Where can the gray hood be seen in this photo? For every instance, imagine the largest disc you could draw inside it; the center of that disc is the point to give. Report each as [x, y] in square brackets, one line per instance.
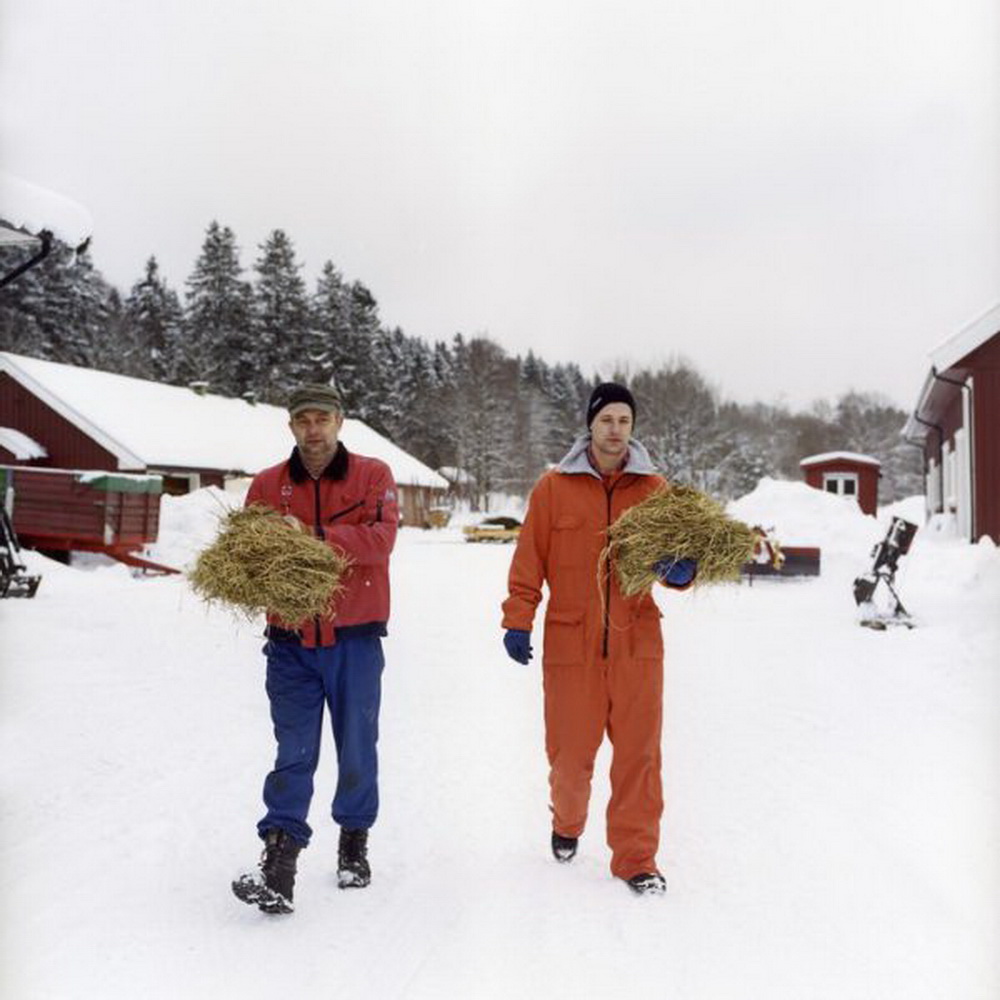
[576, 462]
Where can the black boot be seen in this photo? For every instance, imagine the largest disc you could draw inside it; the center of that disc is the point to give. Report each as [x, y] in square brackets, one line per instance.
[563, 848]
[353, 871]
[648, 884]
[272, 886]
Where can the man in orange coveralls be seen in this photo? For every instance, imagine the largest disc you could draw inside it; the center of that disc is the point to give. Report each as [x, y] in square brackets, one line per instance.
[603, 653]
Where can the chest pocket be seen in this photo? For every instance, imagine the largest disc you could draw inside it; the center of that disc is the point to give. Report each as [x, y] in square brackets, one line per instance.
[346, 510]
[568, 545]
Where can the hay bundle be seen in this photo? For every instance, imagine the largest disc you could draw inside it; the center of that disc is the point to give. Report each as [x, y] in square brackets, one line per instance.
[682, 522]
[259, 562]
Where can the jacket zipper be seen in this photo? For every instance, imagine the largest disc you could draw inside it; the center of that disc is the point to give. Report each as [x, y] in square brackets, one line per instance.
[318, 532]
[607, 581]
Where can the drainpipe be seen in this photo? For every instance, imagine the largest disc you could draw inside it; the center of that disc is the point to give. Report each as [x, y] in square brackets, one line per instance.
[965, 387]
[46, 237]
[940, 434]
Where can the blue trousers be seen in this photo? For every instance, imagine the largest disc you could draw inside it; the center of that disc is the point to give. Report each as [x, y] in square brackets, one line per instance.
[347, 678]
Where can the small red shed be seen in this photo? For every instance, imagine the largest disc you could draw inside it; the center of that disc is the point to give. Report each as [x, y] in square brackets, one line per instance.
[846, 474]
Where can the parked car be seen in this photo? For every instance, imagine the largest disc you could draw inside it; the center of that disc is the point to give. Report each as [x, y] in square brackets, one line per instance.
[493, 529]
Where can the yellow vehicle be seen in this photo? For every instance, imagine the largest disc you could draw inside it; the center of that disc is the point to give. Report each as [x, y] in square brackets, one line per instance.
[493, 529]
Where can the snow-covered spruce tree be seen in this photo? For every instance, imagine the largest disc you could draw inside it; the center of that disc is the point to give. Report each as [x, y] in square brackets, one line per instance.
[567, 393]
[331, 325]
[218, 346]
[353, 356]
[422, 418]
[155, 321]
[281, 319]
[75, 309]
[389, 393]
[21, 304]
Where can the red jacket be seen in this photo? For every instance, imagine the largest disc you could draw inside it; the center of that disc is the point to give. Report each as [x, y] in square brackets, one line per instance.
[354, 508]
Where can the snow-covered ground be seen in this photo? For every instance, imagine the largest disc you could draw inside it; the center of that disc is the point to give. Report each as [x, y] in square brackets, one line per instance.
[833, 793]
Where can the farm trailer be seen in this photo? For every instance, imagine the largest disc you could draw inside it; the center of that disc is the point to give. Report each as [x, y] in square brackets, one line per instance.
[68, 510]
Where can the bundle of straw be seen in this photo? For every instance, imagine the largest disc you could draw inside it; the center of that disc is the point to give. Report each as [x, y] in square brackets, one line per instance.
[682, 522]
[259, 562]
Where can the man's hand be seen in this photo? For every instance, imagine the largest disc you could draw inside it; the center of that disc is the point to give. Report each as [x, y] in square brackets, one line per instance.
[293, 522]
[517, 642]
[675, 572]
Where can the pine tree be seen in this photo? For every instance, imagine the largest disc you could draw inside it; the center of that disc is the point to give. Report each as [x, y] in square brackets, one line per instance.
[282, 321]
[154, 319]
[353, 357]
[331, 327]
[20, 304]
[219, 347]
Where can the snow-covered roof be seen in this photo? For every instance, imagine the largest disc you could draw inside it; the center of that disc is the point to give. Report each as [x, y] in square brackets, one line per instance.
[20, 445]
[839, 456]
[966, 341]
[149, 425]
[947, 356]
[26, 210]
[456, 475]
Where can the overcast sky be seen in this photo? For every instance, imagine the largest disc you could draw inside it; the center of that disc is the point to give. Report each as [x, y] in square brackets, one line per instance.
[798, 196]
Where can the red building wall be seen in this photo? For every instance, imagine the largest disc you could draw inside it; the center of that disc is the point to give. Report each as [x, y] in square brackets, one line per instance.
[985, 365]
[68, 447]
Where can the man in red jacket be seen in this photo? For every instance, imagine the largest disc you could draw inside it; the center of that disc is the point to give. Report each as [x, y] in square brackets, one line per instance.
[349, 501]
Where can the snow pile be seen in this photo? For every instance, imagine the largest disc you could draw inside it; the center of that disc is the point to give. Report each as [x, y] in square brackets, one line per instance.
[803, 516]
[188, 524]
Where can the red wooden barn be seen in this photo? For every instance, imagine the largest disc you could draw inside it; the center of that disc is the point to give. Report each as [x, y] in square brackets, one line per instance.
[957, 423]
[61, 416]
[846, 474]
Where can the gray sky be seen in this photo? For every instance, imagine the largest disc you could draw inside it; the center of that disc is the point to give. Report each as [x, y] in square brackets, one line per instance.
[798, 196]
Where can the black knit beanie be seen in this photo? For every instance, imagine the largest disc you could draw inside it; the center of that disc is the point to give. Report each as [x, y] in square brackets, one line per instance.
[608, 392]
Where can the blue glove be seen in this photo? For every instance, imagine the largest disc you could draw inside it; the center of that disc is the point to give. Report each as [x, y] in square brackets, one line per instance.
[675, 572]
[517, 642]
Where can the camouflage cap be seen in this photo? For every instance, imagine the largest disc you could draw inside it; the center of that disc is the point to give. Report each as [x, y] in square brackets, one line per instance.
[315, 397]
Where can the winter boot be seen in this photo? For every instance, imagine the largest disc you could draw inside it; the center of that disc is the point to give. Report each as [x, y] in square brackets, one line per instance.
[271, 888]
[353, 871]
[564, 848]
[648, 884]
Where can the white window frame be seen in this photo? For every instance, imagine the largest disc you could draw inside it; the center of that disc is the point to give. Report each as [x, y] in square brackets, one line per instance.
[840, 478]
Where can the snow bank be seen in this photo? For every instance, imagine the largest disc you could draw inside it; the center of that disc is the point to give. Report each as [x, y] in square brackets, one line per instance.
[189, 523]
[803, 515]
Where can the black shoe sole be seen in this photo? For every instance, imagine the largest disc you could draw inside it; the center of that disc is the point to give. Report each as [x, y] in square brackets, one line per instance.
[351, 880]
[249, 890]
[564, 851]
[648, 887]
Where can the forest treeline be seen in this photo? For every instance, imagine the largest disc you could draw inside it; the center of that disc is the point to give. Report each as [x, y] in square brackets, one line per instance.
[462, 402]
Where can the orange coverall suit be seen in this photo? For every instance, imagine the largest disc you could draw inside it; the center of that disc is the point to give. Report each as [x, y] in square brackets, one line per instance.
[602, 653]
